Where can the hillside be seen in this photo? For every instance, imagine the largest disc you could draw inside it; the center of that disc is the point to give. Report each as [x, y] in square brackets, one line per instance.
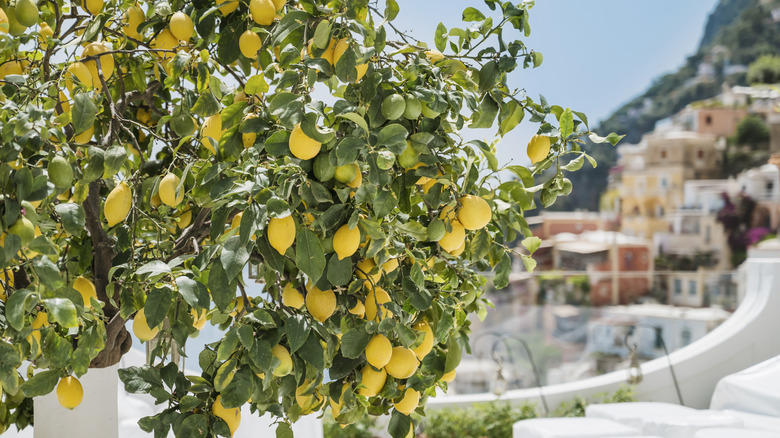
[737, 32]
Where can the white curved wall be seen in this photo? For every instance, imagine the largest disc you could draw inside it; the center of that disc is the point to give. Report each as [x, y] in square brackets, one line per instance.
[749, 336]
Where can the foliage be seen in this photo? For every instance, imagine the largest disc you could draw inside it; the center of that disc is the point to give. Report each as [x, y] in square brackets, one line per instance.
[205, 156]
[482, 420]
[764, 70]
[364, 427]
[576, 408]
[752, 131]
[738, 219]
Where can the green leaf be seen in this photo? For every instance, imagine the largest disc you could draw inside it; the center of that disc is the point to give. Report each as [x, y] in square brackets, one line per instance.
[113, 160]
[297, 328]
[486, 113]
[322, 34]
[414, 230]
[575, 164]
[158, 302]
[288, 107]
[440, 38]
[472, 14]
[194, 293]
[140, 380]
[529, 263]
[393, 135]
[153, 269]
[391, 11]
[83, 113]
[283, 430]
[312, 352]
[62, 311]
[357, 119]
[503, 268]
[453, 354]
[354, 342]
[567, 123]
[234, 256]
[511, 115]
[48, 272]
[346, 152]
[16, 307]
[73, 217]
[531, 243]
[10, 361]
[206, 105]
[222, 291]
[239, 390]
[194, 426]
[400, 425]
[339, 271]
[224, 374]
[309, 256]
[256, 85]
[41, 383]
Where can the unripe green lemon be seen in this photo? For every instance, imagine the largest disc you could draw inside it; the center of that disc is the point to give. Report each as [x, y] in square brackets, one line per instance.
[15, 28]
[385, 160]
[24, 229]
[26, 13]
[413, 108]
[60, 172]
[393, 106]
[428, 112]
[345, 174]
[409, 157]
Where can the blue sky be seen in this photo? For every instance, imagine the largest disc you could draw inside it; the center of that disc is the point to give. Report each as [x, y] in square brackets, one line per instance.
[597, 53]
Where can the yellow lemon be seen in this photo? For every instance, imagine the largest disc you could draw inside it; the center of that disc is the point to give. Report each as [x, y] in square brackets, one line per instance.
[291, 297]
[378, 351]
[372, 380]
[448, 377]
[85, 136]
[230, 416]
[302, 146]
[93, 6]
[346, 241]
[307, 402]
[263, 12]
[320, 303]
[141, 328]
[106, 62]
[452, 240]
[278, 4]
[374, 304]
[134, 16]
[198, 320]
[286, 365]
[474, 213]
[434, 55]
[364, 271]
[79, 71]
[426, 346]
[335, 408]
[338, 50]
[165, 43]
[409, 402]
[459, 250]
[281, 233]
[249, 43]
[168, 192]
[538, 148]
[403, 363]
[390, 266]
[181, 26]
[118, 203]
[5, 24]
[69, 392]
[87, 290]
[361, 71]
[211, 132]
[227, 6]
[358, 309]
[358, 180]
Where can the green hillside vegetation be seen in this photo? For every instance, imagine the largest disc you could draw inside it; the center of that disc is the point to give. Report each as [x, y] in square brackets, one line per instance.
[737, 32]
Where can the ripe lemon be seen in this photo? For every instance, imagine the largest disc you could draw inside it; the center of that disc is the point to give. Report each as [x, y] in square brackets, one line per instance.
[307, 402]
[87, 290]
[373, 381]
[291, 297]
[278, 4]
[79, 71]
[141, 328]
[403, 363]
[227, 6]
[452, 240]
[335, 408]
[327, 54]
[134, 16]
[434, 55]
[69, 392]
[4, 22]
[320, 303]
[474, 212]
[538, 148]
[281, 233]
[26, 13]
[409, 402]
[230, 416]
[249, 43]
[286, 365]
[118, 203]
[358, 309]
[106, 62]
[167, 190]
[361, 71]
[262, 11]
[393, 106]
[390, 266]
[93, 6]
[346, 241]
[165, 43]
[365, 268]
[24, 229]
[45, 33]
[374, 304]
[378, 351]
[211, 132]
[448, 377]
[457, 252]
[302, 146]
[85, 136]
[338, 50]
[357, 181]
[426, 346]
[181, 26]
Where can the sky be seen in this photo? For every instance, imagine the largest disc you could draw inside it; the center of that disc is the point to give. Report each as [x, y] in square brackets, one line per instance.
[598, 54]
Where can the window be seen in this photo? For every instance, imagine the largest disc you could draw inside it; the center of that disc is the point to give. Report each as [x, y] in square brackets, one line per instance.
[708, 120]
[692, 287]
[678, 286]
[707, 236]
[700, 154]
[663, 154]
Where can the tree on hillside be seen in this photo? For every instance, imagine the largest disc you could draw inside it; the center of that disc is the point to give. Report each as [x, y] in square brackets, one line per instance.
[149, 155]
[752, 132]
[764, 70]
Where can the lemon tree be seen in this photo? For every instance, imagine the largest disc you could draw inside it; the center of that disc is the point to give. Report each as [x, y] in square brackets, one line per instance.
[151, 150]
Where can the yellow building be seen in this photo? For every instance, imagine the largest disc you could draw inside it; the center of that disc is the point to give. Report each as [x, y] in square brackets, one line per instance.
[652, 173]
